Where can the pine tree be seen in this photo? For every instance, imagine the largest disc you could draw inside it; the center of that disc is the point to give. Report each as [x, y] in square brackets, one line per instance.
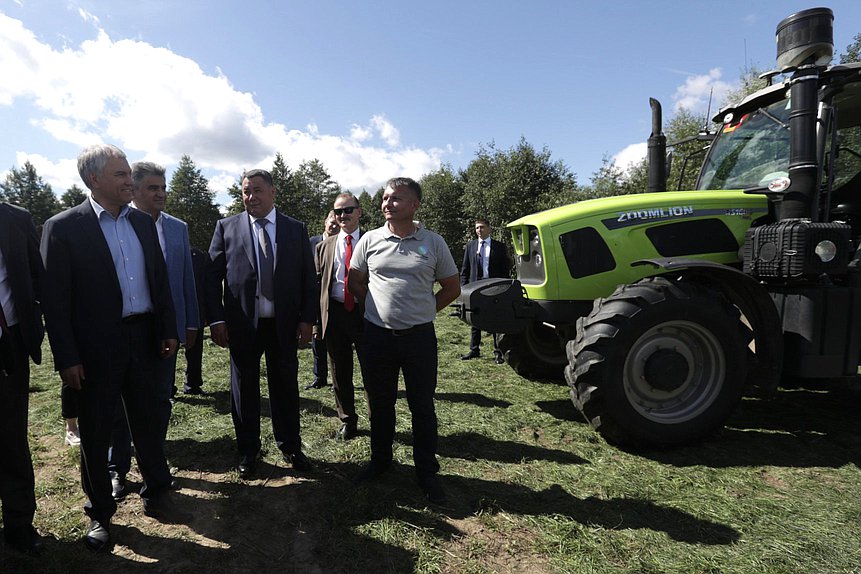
[73, 196]
[23, 187]
[190, 199]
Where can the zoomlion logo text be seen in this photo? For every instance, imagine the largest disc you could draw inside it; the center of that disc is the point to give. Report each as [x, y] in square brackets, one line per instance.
[657, 213]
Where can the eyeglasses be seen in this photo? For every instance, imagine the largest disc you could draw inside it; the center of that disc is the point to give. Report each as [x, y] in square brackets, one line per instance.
[342, 210]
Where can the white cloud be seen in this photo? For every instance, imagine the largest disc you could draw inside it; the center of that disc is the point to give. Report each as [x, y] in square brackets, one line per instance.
[693, 95]
[630, 156]
[155, 103]
[88, 17]
[60, 175]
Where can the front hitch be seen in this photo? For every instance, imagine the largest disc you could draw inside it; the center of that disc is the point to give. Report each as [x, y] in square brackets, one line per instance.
[496, 306]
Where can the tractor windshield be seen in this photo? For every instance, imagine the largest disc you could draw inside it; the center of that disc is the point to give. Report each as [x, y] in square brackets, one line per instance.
[750, 150]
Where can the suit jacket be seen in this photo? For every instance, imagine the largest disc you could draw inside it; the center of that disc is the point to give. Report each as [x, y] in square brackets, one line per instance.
[498, 266]
[231, 279]
[199, 261]
[180, 272]
[81, 293]
[324, 259]
[20, 246]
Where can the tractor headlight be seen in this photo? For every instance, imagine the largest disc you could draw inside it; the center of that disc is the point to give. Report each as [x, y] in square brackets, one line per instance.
[826, 250]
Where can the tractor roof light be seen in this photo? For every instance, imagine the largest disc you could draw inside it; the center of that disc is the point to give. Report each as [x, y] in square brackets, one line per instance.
[804, 38]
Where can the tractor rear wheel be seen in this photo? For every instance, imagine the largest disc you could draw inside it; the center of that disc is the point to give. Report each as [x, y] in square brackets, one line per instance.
[535, 353]
[658, 363]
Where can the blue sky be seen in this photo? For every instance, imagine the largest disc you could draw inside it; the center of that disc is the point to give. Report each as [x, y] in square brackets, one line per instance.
[373, 89]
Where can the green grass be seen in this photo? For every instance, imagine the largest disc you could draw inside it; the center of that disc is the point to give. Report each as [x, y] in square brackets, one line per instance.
[532, 488]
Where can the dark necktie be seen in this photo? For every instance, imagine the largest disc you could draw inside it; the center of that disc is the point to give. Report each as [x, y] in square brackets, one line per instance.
[264, 248]
[349, 301]
[480, 273]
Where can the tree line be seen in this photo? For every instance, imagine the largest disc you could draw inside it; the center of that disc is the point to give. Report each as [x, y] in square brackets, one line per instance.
[499, 185]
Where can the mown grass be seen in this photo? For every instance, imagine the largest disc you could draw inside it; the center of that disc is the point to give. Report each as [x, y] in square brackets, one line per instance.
[532, 488]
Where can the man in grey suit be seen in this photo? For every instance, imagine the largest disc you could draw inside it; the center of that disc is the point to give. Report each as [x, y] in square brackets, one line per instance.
[150, 193]
[341, 315]
[21, 336]
[261, 300]
[110, 319]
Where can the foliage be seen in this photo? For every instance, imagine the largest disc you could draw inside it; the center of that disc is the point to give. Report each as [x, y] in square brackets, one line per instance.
[372, 214]
[72, 197]
[505, 185]
[311, 193]
[853, 51]
[190, 199]
[24, 187]
[442, 208]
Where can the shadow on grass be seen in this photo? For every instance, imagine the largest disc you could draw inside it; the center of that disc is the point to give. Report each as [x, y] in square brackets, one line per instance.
[794, 428]
[474, 446]
[476, 399]
[562, 409]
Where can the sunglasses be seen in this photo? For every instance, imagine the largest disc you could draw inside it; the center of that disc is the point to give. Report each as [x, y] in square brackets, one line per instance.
[342, 210]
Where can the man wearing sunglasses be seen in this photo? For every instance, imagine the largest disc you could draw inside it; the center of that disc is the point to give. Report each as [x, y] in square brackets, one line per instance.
[340, 312]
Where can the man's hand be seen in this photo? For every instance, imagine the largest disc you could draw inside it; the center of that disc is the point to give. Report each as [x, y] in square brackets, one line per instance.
[190, 338]
[218, 331]
[303, 333]
[167, 347]
[73, 376]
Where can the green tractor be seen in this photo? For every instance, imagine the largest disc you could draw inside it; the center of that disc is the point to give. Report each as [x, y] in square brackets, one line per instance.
[662, 309]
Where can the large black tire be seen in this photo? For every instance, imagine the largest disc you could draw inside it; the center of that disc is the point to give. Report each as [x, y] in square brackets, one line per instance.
[658, 363]
[535, 353]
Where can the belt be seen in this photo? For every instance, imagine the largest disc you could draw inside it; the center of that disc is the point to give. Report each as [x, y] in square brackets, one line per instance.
[137, 318]
[408, 330]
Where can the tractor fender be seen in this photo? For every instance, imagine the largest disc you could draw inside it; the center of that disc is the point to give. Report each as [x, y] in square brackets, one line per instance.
[755, 303]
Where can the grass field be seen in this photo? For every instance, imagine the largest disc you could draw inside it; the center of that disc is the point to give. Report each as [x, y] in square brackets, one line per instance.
[531, 488]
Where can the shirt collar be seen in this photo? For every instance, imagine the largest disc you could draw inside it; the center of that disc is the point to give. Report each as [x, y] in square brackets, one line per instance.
[270, 217]
[99, 209]
[418, 233]
[355, 235]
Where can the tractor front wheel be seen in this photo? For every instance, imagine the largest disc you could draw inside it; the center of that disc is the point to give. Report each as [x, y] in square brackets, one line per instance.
[658, 363]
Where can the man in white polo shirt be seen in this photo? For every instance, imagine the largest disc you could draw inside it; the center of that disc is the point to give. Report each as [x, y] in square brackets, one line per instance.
[393, 270]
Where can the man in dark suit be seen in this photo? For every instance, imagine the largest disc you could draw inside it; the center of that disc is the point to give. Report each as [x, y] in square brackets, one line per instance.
[483, 258]
[341, 316]
[194, 353]
[21, 336]
[262, 261]
[110, 318]
[318, 345]
[150, 194]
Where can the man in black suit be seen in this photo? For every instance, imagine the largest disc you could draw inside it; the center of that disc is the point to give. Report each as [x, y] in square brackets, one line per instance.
[318, 345]
[21, 336]
[483, 258]
[262, 261]
[110, 318]
[194, 353]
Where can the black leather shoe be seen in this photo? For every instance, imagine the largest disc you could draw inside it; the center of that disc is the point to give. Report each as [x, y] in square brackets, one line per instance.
[499, 360]
[347, 432]
[119, 490]
[316, 385]
[433, 489]
[164, 509]
[299, 461]
[24, 539]
[192, 391]
[470, 355]
[247, 465]
[98, 537]
[370, 472]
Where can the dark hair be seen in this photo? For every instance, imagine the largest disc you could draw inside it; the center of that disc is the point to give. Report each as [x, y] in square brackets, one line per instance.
[405, 182]
[267, 177]
[482, 221]
[144, 169]
[347, 194]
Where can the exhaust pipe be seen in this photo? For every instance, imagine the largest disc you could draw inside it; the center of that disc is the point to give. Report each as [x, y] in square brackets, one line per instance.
[657, 151]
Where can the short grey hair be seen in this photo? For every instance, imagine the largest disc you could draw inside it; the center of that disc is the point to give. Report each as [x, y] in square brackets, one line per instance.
[92, 161]
[143, 169]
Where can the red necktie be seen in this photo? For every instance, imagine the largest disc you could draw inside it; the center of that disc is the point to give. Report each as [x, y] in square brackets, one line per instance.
[349, 302]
